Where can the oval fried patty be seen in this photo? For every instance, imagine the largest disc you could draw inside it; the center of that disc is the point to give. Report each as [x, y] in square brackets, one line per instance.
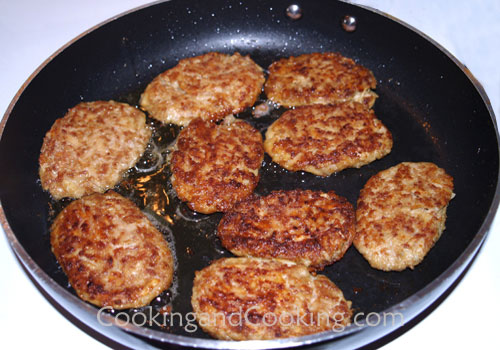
[111, 253]
[215, 166]
[209, 86]
[254, 299]
[309, 227]
[319, 78]
[401, 214]
[323, 139]
[90, 148]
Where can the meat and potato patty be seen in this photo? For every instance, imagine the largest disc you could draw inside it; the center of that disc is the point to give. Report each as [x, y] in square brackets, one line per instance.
[255, 299]
[323, 139]
[216, 165]
[90, 148]
[309, 227]
[401, 214]
[319, 78]
[111, 253]
[209, 86]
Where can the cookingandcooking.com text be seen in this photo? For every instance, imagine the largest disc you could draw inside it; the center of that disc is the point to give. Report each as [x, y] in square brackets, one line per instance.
[189, 322]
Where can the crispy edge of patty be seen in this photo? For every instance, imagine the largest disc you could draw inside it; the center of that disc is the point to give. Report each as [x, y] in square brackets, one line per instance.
[319, 78]
[91, 147]
[214, 165]
[208, 86]
[257, 288]
[312, 228]
[324, 139]
[401, 213]
[111, 253]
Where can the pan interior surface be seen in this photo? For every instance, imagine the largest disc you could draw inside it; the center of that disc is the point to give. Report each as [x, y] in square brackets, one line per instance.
[433, 110]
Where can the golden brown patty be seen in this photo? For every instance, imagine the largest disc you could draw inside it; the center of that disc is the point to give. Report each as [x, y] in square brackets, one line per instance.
[209, 86]
[90, 148]
[215, 166]
[309, 227]
[319, 78]
[111, 253]
[401, 214]
[254, 299]
[323, 139]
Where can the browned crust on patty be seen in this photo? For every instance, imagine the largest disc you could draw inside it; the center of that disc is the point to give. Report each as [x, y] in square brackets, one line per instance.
[215, 166]
[111, 253]
[401, 213]
[275, 299]
[91, 147]
[209, 86]
[319, 78]
[323, 139]
[309, 227]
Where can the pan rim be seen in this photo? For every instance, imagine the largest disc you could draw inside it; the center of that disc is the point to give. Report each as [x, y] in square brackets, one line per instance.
[410, 306]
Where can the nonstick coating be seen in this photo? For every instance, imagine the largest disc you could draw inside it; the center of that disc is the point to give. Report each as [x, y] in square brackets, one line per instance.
[433, 110]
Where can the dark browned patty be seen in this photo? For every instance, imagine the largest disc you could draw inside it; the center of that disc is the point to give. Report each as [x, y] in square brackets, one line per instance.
[309, 227]
[319, 78]
[215, 166]
[323, 139]
[111, 253]
[255, 299]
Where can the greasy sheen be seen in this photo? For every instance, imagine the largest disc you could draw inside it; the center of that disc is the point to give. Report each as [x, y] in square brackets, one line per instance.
[209, 86]
[401, 213]
[111, 253]
[90, 148]
[254, 299]
[216, 165]
[319, 78]
[309, 227]
[323, 139]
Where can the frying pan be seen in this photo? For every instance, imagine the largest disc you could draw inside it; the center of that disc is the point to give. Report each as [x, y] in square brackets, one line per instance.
[420, 88]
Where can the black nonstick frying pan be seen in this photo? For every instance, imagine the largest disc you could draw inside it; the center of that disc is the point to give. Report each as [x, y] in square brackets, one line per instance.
[433, 109]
